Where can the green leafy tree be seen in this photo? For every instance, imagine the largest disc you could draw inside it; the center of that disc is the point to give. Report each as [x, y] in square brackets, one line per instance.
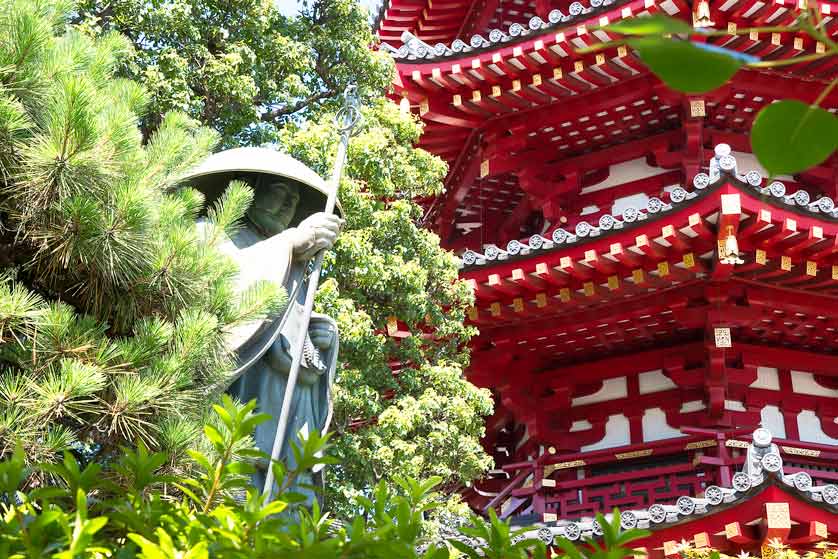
[402, 405]
[240, 66]
[112, 305]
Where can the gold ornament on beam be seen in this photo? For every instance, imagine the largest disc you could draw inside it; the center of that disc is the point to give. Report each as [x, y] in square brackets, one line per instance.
[701, 15]
[729, 249]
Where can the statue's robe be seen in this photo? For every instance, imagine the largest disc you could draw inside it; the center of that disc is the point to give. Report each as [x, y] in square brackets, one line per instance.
[266, 378]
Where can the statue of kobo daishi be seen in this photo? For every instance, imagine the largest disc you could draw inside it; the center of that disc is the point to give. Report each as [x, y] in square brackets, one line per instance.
[284, 228]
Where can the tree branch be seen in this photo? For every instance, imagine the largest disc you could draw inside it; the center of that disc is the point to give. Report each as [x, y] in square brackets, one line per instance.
[285, 110]
[104, 16]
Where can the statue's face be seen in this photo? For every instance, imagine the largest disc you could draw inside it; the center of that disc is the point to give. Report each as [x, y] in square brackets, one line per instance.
[274, 205]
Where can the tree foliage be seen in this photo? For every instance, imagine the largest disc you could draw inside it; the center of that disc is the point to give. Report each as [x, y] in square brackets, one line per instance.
[112, 305]
[402, 404]
[240, 66]
[423, 418]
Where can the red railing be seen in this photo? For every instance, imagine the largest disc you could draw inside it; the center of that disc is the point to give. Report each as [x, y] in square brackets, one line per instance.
[582, 485]
[629, 490]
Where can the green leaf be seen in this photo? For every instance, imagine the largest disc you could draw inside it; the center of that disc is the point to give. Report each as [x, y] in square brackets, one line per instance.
[570, 549]
[189, 493]
[683, 66]
[239, 468]
[46, 493]
[198, 552]
[223, 414]
[81, 503]
[274, 507]
[94, 525]
[434, 552]
[215, 438]
[790, 136]
[253, 453]
[201, 459]
[249, 424]
[657, 24]
[609, 531]
[464, 549]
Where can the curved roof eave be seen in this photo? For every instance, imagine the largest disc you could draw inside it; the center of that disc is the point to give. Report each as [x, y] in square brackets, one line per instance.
[823, 210]
[416, 51]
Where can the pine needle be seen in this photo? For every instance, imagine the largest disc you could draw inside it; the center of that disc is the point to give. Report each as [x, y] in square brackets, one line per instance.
[114, 325]
[226, 214]
[260, 300]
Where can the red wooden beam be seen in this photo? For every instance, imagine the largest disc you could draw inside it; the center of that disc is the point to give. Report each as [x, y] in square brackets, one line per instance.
[477, 17]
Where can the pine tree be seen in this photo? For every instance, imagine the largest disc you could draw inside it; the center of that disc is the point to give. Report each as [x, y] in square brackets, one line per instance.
[113, 304]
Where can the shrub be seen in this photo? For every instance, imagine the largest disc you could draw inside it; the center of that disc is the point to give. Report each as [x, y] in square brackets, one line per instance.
[130, 509]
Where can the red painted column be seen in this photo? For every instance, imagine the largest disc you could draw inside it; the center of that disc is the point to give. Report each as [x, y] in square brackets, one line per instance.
[635, 416]
[725, 473]
[538, 497]
[789, 415]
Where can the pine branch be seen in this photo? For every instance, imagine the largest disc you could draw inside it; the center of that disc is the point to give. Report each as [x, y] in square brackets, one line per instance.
[258, 301]
[226, 214]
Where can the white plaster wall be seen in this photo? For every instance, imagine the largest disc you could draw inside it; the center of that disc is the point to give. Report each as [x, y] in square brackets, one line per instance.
[772, 419]
[581, 425]
[809, 426]
[612, 389]
[655, 427]
[692, 405]
[767, 378]
[670, 7]
[622, 173]
[734, 405]
[655, 381]
[617, 433]
[804, 383]
[638, 200]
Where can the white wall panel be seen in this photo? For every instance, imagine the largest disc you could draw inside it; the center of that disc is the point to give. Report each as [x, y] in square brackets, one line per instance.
[617, 433]
[804, 383]
[655, 427]
[772, 419]
[809, 426]
[655, 381]
[767, 378]
[612, 389]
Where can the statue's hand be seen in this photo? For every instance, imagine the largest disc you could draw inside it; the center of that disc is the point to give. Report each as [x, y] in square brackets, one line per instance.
[322, 335]
[317, 232]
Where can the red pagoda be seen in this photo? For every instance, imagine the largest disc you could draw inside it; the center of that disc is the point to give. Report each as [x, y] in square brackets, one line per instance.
[646, 299]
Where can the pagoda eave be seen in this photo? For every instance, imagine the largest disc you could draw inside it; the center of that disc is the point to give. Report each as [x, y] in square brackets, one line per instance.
[643, 294]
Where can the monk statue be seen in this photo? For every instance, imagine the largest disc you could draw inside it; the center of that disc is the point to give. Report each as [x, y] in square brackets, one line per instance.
[282, 231]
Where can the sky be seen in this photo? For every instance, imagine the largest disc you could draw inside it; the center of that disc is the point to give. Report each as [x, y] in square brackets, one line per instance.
[288, 7]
